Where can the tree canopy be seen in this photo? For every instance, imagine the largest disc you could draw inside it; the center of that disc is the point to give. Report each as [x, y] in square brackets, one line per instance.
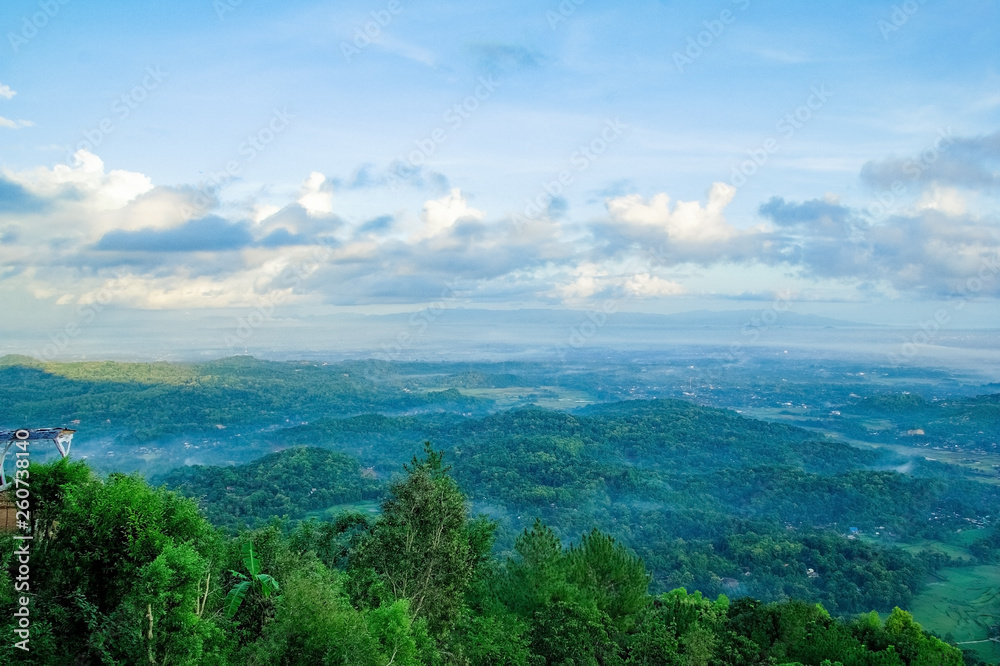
[130, 574]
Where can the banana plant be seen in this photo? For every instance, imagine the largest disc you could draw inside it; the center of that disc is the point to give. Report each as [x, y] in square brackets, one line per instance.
[261, 583]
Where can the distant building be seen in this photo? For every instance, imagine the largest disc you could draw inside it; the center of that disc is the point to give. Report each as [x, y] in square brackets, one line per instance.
[730, 583]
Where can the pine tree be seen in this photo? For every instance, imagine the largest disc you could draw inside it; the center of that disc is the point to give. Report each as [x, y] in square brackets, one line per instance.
[423, 548]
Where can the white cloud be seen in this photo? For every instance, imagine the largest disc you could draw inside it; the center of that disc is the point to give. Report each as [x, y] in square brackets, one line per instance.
[103, 191]
[590, 278]
[76, 206]
[441, 214]
[316, 195]
[6, 92]
[944, 199]
[14, 124]
[262, 211]
[436, 242]
[688, 221]
[648, 285]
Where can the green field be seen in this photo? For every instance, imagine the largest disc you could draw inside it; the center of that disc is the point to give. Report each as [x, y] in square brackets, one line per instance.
[950, 549]
[963, 602]
[370, 508]
[548, 397]
[966, 537]
[955, 546]
[980, 464]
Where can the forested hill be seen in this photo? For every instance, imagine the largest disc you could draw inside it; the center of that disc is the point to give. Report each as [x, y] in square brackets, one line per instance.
[709, 499]
[122, 573]
[154, 403]
[150, 401]
[970, 424]
[285, 484]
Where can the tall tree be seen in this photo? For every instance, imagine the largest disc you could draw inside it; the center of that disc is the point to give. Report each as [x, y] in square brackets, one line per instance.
[423, 548]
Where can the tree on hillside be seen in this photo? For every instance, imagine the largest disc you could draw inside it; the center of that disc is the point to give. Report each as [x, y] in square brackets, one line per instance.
[423, 547]
[598, 572]
[123, 571]
[578, 602]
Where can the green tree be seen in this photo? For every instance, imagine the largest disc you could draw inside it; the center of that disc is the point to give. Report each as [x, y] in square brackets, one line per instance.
[537, 573]
[497, 638]
[653, 641]
[168, 596]
[126, 571]
[315, 624]
[572, 634]
[613, 577]
[423, 547]
[257, 583]
[917, 647]
[404, 640]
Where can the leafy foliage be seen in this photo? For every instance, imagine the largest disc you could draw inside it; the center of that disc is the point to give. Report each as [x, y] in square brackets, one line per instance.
[289, 483]
[423, 548]
[257, 582]
[128, 576]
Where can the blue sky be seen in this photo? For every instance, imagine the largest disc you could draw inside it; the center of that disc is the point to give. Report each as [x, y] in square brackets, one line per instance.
[843, 156]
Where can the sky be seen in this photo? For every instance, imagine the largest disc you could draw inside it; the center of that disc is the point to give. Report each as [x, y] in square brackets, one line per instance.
[386, 156]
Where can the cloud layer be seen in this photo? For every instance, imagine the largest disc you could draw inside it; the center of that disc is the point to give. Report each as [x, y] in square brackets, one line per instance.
[90, 224]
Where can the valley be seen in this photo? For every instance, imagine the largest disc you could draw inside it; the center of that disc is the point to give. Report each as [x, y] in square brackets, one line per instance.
[757, 481]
